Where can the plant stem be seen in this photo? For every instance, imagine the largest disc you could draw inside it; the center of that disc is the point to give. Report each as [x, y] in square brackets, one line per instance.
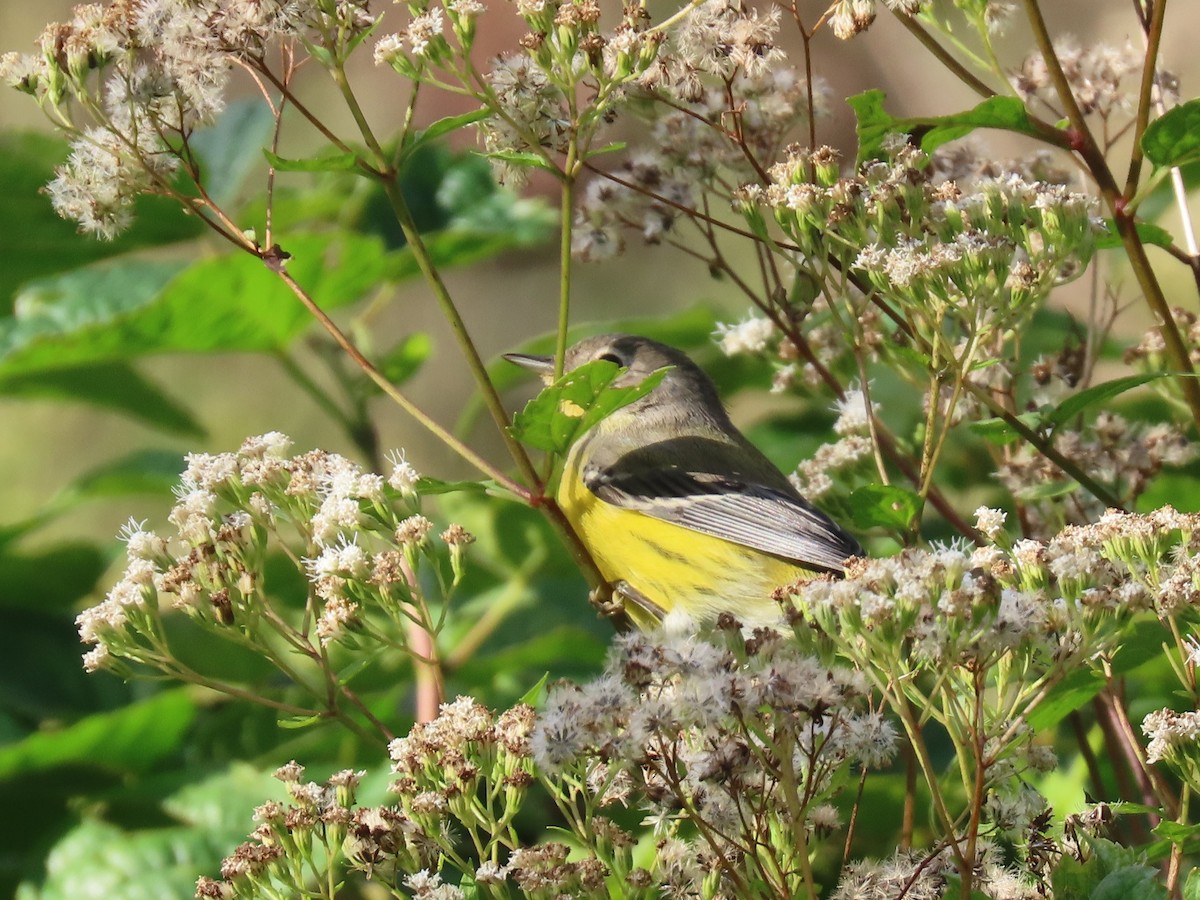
[394, 393]
[1084, 143]
[1153, 35]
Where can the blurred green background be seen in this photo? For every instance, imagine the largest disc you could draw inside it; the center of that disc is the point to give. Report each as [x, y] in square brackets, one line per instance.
[136, 806]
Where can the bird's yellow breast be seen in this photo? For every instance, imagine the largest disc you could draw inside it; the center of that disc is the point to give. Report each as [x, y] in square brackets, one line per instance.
[673, 566]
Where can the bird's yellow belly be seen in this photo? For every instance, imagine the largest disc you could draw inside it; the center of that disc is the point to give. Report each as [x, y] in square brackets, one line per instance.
[675, 567]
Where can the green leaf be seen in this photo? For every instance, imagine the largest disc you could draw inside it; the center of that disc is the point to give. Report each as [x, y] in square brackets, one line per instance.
[1173, 139]
[536, 694]
[43, 244]
[614, 147]
[83, 300]
[131, 739]
[434, 486]
[1137, 882]
[331, 161]
[228, 150]
[142, 472]
[1175, 832]
[51, 578]
[998, 431]
[1191, 887]
[1076, 689]
[405, 359]
[884, 505]
[116, 386]
[556, 417]
[931, 132]
[219, 304]
[1047, 491]
[1148, 232]
[441, 128]
[1098, 393]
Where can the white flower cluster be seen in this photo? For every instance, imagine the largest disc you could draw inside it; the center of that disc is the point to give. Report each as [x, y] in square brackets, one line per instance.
[718, 726]
[230, 506]
[145, 75]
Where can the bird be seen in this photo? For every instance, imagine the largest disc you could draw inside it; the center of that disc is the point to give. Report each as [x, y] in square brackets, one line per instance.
[679, 511]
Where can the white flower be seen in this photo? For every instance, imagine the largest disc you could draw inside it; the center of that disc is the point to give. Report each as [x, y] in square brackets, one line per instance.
[748, 336]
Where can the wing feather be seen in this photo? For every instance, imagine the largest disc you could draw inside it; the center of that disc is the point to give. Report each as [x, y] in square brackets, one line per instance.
[741, 511]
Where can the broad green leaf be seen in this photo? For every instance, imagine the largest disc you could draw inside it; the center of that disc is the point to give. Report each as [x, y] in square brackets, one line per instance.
[131, 739]
[1175, 832]
[1191, 887]
[1136, 882]
[97, 859]
[215, 305]
[931, 132]
[884, 505]
[1173, 139]
[405, 359]
[78, 302]
[556, 417]
[330, 161]
[1147, 231]
[229, 149]
[42, 243]
[115, 385]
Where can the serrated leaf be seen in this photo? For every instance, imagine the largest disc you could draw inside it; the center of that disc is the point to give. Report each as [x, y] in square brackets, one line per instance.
[884, 505]
[1148, 232]
[931, 132]
[333, 161]
[562, 412]
[1173, 139]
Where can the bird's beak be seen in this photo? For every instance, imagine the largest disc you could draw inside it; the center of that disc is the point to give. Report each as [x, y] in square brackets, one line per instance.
[542, 365]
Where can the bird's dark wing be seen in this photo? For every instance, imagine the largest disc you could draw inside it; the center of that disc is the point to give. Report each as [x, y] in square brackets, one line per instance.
[738, 510]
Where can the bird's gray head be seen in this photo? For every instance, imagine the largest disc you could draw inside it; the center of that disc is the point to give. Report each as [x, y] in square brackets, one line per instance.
[684, 387]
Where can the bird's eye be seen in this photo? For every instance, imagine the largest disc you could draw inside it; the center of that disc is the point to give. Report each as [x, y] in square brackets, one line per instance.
[612, 358]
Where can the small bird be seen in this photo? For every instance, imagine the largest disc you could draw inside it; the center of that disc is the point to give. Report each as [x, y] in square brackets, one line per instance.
[677, 508]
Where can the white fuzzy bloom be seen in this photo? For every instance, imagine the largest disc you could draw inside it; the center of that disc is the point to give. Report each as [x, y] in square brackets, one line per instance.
[990, 521]
[748, 336]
